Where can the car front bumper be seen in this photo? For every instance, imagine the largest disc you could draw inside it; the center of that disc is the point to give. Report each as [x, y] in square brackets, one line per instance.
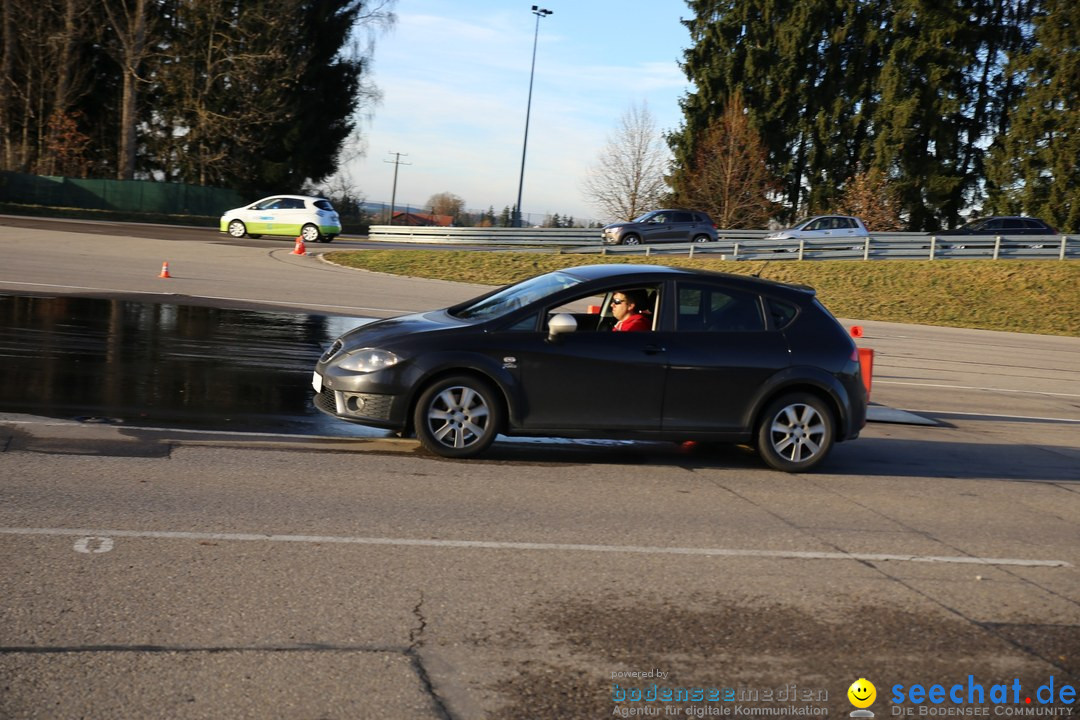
[378, 398]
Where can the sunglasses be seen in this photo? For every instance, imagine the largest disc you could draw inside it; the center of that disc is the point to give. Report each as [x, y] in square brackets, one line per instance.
[617, 302]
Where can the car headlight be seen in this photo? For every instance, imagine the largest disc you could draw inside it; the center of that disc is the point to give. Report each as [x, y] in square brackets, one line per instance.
[368, 360]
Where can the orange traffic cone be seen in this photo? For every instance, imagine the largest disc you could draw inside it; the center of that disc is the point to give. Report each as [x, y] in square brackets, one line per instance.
[165, 270]
[299, 249]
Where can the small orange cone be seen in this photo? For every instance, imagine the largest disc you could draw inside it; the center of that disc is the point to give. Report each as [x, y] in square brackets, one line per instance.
[299, 249]
[165, 270]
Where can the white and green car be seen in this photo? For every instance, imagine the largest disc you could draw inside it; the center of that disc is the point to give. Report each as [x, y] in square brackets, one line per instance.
[312, 218]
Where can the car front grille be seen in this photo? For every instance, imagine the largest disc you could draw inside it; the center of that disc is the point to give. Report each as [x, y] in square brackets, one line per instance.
[359, 405]
[332, 351]
[325, 401]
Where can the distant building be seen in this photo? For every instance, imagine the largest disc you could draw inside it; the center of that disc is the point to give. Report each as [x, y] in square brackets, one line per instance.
[422, 219]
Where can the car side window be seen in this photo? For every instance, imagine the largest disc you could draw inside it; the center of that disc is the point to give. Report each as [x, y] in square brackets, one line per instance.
[1014, 224]
[1034, 225]
[594, 312]
[589, 311]
[781, 313]
[658, 219]
[816, 225]
[705, 308]
[682, 217]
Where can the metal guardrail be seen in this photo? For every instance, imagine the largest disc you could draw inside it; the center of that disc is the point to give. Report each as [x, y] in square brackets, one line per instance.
[478, 235]
[751, 244]
[905, 246]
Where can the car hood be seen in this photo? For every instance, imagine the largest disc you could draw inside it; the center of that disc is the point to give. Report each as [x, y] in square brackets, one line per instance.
[383, 332]
[614, 225]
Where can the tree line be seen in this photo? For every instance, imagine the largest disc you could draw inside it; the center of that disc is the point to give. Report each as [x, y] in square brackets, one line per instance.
[931, 109]
[253, 96]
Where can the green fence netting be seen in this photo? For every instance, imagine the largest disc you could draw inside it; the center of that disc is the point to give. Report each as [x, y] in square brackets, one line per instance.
[140, 196]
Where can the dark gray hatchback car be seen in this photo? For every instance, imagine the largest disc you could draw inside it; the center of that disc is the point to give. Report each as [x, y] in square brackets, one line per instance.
[723, 358]
[662, 226]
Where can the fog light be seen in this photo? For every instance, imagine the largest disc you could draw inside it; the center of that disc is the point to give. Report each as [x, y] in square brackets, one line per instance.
[354, 403]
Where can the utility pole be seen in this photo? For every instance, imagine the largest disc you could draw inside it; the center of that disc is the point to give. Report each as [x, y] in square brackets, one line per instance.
[393, 193]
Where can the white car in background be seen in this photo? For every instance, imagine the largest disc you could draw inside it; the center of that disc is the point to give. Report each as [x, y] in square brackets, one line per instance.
[823, 226]
[312, 218]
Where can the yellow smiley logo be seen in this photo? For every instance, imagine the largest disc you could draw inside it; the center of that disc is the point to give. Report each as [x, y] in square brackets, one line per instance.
[862, 693]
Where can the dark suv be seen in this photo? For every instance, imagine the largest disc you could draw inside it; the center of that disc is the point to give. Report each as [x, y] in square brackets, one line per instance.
[662, 226]
[1012, 225]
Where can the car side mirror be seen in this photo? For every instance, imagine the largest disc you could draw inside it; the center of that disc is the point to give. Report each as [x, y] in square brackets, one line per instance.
[559, 324]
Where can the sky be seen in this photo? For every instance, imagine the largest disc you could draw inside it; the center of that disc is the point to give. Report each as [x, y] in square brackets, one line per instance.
[454, 78]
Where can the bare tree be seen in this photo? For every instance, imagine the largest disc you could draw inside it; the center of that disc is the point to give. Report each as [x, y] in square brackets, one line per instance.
[446, 203]
[130, 20]
[869, 196]
[728, 177]
[628, 177]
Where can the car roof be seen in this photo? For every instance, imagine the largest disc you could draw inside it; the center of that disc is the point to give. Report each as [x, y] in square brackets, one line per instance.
[674, 210]
[646, 273]
[294, 197]
[1006, 217]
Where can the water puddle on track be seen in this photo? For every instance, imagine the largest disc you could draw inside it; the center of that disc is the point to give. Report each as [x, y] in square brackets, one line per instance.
[166, 365]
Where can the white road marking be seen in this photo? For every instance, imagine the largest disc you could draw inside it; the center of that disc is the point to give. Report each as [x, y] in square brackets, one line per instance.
[93, 545]
[561, 547]
[997, 416]
[972, 387]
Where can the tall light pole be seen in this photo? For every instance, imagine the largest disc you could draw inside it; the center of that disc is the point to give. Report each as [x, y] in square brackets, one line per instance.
[539, 12]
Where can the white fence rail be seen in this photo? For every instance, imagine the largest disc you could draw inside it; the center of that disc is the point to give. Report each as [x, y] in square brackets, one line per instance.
[751, 245]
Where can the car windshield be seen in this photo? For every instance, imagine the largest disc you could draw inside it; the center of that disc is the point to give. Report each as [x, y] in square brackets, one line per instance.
[974, 224]
[516, 296]
[643, 218]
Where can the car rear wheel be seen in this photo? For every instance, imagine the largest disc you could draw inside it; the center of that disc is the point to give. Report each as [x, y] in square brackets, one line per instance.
[796, 432]
[457, 417]
[310, 233]
[237, 229]
[631, 240]
[702, 238]
[329, 238]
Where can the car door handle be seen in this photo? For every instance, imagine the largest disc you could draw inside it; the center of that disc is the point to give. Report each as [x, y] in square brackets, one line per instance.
[654, 349]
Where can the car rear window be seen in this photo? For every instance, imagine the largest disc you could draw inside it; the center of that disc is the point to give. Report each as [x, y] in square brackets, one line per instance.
[324, 205]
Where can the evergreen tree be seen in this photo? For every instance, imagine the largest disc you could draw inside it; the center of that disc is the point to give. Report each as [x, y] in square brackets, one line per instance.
[1035, 165]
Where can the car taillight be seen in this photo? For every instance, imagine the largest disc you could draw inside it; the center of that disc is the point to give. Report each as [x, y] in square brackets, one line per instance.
[855, 354]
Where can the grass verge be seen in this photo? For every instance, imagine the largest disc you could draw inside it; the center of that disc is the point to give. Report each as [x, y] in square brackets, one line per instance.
[1012, 295]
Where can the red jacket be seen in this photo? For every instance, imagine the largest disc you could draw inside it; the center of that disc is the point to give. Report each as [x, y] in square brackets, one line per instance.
[632, 323]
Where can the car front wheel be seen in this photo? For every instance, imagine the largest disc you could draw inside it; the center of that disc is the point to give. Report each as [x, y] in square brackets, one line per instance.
[237, 229]
[457, 417]
[310, 233]
[631, 240]
[702, 238]
[796, 432]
